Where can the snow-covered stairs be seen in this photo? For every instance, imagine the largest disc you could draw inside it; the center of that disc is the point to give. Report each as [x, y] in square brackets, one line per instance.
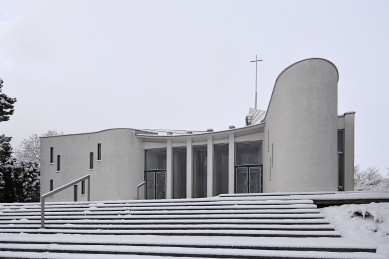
[219, 227]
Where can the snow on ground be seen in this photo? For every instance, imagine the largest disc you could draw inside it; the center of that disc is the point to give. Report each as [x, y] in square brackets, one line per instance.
[349, 221]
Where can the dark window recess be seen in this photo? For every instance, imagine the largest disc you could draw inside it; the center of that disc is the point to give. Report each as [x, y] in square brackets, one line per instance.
[179, 172]
[341, 160]
[340, 140]
[341, 171]
[247, 153]
[58, 163]
[51, 155]
[83, 187]
[220, 170]
[155, 159]
[75, 192]
[51, 185]
[99, 151]
[91, 161]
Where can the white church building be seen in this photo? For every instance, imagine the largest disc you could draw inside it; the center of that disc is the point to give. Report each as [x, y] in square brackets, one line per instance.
[300, 144]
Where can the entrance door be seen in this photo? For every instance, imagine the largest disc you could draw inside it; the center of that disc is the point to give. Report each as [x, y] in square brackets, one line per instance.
[248, 179]
[155, 185]
[241, 180]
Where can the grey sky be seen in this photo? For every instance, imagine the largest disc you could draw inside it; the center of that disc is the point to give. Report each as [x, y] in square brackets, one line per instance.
[81, 66]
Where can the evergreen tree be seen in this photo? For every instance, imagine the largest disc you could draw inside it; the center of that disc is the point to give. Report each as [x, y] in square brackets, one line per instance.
[6, 104]
[7, 163]
[26, 182]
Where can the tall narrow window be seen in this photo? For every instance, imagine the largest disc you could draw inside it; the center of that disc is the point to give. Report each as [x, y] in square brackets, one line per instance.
[99, 152]
[179, 172]
[270, 169]
[83, 187]
[51, 185]
[51, 155]
[58, 163]
[199, 171]
[91, 161]
[220, 169]
[341, 160]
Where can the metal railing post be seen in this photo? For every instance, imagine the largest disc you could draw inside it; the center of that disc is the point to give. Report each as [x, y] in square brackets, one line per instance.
[89, 188]
[42, 212]
[44, 196]
[137, 190]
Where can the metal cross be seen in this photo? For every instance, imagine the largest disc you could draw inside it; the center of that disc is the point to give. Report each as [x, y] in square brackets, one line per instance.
[256, 77]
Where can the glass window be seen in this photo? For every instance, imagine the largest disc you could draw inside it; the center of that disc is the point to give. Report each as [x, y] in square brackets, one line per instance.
[58, 163]
[179, 172]
[99, 151]
[220, 172]
[83, 187]
[91, 160]
[199, 171]
[51, 185]
[248, 153]
[340, 140]
[155, 159]
[51, 155]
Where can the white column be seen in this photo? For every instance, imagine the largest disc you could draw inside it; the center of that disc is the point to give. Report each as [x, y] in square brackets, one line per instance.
[231, 163]
[189, 168]
[349, 125]
[169, 170]
[209, 167]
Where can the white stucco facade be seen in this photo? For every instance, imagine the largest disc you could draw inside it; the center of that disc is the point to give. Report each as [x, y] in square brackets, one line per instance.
[293, 146]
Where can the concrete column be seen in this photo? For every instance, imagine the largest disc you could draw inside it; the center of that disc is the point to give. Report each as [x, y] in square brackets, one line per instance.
[189, 168]
[209, 167]
[231, 163]
[349, 125]
[169, 170]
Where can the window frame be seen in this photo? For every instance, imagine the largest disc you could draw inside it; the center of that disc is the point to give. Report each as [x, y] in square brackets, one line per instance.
[51, 155]
[98, 152]
[58, 163]
[91, 161]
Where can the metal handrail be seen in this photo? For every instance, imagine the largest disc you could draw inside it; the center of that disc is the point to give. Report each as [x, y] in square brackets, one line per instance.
[138, 186]
[63, 187]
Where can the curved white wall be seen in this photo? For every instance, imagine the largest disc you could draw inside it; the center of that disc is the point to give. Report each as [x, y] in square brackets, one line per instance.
[302, 125]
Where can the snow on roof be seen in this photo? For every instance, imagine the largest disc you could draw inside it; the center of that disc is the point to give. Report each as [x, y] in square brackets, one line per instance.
[255, 116]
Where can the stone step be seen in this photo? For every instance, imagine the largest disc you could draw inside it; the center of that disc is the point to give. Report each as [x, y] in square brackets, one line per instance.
[260, 243]
[173, 232]
[158, 203]
[172, 221]
[175, 227]
[163, 212]
[169, 208]
[145, 217]
[114, 251]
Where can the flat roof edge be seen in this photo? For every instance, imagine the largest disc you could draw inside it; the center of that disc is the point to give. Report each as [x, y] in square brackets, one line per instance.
[85, 133]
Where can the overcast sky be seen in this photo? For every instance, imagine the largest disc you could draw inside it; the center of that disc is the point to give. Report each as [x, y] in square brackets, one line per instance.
[82, 66]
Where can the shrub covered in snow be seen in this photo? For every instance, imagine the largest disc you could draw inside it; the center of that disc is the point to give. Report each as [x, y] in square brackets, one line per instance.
[370, 179]
[364, 222]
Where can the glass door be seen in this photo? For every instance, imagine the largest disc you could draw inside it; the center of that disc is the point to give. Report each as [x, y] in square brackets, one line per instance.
[150, 185]
[160, 188]
[248, 179]
[155, 185]
[254, 179]
[241, 179]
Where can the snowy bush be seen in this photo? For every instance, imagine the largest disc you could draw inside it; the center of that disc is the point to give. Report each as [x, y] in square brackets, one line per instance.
[365, 211]
[370, 179]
